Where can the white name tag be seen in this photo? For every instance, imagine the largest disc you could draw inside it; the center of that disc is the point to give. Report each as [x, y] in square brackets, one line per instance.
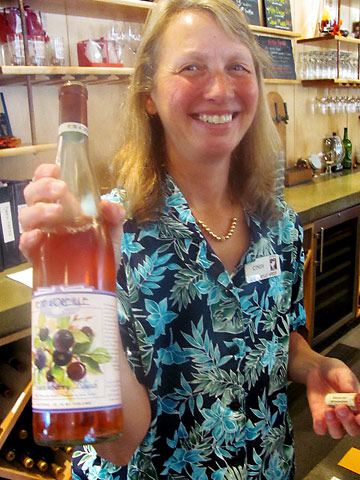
[262, 268]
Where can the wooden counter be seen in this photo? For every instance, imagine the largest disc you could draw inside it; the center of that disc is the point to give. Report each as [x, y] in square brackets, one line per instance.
[15, 301]
[322, 197]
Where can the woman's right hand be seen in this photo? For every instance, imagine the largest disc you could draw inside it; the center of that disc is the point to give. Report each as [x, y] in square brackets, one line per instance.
[44, 210]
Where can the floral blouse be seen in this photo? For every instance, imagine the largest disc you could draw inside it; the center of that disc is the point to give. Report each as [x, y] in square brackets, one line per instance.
[211, 348]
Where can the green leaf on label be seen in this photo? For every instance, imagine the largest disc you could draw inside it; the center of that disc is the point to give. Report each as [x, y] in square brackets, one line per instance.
[79, 336]
[37, 342]
[79, 348]
[48, 343]
[63, 322]
[91, 365]
[41, 377]
[60, 376]
[100, 355]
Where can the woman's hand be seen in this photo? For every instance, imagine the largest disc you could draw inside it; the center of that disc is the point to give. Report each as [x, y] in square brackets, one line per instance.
[323, 375]
[44, 211]
[332, 375]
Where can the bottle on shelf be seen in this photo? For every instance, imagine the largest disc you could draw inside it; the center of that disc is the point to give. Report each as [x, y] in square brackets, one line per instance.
[56, 469]
[347, 162]
[5, 391]
[8, 453]
[74, 315]
[16, 364]
[26, 460]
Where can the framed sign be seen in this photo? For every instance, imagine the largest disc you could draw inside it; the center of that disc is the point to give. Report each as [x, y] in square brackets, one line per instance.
[278, 14]
[281, 53]
[251, 10]
[5, 128]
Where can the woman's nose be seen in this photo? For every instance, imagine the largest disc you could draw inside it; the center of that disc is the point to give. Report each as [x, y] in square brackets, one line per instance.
[218, 86]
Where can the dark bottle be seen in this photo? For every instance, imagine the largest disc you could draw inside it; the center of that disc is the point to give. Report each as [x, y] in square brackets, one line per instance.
[16, 364]
[8, 453]
[74, 302]
[56, 469]
[26, 459]
[347, 162]
[5, 391]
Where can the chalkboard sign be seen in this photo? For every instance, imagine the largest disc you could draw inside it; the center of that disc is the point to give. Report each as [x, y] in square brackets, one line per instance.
[281, 52]
[251, 10]
[278, 14]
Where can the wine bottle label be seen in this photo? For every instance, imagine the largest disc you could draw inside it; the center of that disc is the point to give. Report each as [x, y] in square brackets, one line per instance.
[75, 349]
[72, 127]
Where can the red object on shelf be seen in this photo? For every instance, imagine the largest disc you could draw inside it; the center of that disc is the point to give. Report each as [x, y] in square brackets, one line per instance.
[85, 62]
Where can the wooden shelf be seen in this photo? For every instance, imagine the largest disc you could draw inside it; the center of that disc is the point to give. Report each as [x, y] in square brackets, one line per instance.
[10, 75]
[282, 81]
[274, 31]
[321, 40]
[331, 83]
[27, 149]
[127, 10]
[13, 414]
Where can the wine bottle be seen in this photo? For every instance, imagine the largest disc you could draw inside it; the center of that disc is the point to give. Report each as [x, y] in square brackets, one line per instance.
[5, 391]
[56, 470]
[26, 460]
[8, 453]
[68, 450]
[16, 364]
[347, 162]
[74, 316]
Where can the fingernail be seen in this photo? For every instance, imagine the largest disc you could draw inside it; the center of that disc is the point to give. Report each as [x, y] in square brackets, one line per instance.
[342, 412]
[329, 415]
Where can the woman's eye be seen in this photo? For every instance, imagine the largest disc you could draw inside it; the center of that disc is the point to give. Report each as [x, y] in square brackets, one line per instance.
[190, 68]
[239, 68]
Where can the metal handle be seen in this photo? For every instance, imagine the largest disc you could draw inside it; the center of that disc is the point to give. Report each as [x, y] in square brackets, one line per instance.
[322, 231]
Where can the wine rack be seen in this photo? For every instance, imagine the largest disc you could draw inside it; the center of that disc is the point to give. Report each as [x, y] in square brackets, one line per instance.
[15, 344]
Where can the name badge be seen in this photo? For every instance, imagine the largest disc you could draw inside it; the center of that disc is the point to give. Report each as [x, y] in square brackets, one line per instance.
[262, 268]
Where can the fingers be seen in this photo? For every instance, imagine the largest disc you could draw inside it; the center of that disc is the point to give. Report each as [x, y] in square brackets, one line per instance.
[341, 420]
[46, 170]
[114, 215]
[45, 189]
[29, 241]
[40, 215]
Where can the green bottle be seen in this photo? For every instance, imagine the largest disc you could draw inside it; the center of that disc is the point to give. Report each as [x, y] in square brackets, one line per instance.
[347, 162]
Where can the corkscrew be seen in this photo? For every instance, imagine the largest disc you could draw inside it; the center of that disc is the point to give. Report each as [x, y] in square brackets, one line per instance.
[281, 118]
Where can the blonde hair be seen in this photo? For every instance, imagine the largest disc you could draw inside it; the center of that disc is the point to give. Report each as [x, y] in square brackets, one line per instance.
[141, 159]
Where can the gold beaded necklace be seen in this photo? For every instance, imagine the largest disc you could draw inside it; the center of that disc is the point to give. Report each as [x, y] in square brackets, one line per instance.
[220, 238]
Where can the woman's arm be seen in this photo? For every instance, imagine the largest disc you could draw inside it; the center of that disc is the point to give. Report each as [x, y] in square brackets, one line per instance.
[323, 375]
[41, 197]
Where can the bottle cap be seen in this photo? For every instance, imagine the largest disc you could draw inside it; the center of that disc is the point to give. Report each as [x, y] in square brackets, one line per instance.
[73, 105]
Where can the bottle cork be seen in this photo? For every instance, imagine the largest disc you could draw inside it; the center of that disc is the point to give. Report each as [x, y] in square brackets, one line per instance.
[352, 400]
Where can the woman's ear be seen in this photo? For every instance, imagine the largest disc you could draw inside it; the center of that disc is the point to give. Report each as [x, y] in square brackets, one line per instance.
[150, 106]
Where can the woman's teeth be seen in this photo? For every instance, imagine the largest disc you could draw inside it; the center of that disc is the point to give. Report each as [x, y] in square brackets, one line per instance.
[216, 118]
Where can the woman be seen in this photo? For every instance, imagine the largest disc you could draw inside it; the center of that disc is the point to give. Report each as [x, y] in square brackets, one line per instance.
[212, 341]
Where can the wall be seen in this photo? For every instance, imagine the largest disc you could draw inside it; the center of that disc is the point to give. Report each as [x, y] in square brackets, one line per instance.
[304, 132]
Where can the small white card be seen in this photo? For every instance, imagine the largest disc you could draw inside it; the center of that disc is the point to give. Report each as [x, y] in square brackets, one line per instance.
[262, 268]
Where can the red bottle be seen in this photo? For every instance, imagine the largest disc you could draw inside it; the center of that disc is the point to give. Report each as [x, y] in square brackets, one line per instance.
[75, 336]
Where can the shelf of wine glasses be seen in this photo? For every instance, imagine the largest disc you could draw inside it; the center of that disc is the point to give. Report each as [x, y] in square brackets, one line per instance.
[331, 83]
[325, 39]
[12, 75]
[127, 10]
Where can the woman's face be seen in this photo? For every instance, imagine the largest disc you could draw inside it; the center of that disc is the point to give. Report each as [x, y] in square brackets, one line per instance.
[206, 90]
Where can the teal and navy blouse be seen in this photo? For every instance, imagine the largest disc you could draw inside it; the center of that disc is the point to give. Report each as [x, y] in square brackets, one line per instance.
[211, 348]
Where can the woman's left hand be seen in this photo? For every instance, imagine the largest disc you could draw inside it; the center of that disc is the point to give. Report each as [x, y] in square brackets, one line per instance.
[332, 375]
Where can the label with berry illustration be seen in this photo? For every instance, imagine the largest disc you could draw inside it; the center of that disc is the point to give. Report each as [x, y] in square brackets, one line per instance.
[75, 349]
